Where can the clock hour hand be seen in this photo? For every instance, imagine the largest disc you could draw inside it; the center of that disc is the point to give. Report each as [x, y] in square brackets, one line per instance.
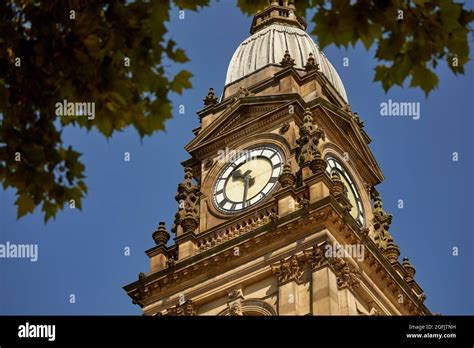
[247, 179]
[238, 175]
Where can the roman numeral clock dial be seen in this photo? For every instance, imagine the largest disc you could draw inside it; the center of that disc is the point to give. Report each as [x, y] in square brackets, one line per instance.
[247, 179]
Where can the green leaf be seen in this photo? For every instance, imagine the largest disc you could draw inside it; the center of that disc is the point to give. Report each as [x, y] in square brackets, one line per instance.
[25, 205]
[181, 81]
[424, 78]
[49, 210]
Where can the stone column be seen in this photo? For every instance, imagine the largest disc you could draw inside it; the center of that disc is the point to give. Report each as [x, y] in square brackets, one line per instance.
[288, 273]
[319, 186]
[347, 303]
[288, 299]
[324, 292]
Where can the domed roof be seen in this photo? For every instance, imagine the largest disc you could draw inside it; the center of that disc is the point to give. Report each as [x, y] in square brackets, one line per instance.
[268, 45]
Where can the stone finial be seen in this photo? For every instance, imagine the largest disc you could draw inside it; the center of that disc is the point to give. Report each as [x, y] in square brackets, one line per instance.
[392, 251]
[287, 60]
[308, 152]
[188, 198]
[287, 178]
[211, 98]
[409, 268]
[161, 235]
[338, 185]
[311, 63]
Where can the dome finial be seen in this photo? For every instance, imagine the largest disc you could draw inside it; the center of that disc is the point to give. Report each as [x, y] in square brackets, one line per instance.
[210, 99]
[311, 63]
[287, 60]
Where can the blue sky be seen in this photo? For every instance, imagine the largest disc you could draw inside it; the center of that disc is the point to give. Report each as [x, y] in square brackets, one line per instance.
[82, 253]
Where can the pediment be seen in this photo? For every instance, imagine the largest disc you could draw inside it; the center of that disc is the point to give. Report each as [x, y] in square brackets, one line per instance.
[240, 114]
[342, 127]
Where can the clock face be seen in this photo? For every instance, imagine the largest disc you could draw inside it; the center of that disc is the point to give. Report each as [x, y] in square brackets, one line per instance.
[351, 192]
[247, 179]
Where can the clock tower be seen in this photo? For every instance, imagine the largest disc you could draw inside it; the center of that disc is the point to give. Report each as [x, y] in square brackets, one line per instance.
[278, 213]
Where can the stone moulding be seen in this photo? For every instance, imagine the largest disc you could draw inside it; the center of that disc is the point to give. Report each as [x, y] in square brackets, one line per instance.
[325, 213]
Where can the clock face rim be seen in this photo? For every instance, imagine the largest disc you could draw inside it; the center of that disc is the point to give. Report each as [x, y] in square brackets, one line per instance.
[271, 183]
[353, 187]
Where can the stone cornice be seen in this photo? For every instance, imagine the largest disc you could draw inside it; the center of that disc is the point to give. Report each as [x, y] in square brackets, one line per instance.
[325, 213]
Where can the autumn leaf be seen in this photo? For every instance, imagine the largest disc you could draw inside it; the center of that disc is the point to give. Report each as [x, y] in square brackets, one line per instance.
[25, 204]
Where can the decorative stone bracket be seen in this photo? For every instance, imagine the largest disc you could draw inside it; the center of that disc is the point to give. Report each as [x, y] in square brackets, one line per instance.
[235, 302]
[347, 275]
[288, 270]
[187, 308]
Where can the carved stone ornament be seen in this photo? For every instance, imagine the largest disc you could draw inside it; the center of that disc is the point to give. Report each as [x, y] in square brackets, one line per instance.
[287, 60]
[235, 309]
[288, 270]
[381, 222]
[392, 251]
[338, 186]
[304, 203]
[347, 108]
[347, 275]
[311, 64]
[308, 152]
[235, 294]
[235, 302]
[409, 269]
[211, 98]
[188, 198]
[374, 312]
[284, 128]
[170, 263]
[287, 178]
[187, 308]
[243, 92]
[161, 235]
[208, 164]
[358, 120]
[315, 257]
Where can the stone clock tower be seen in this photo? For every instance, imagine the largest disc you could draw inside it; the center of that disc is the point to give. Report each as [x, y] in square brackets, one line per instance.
[278, 212]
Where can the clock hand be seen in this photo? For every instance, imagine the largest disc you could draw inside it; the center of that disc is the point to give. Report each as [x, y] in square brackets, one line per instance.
[247, 179]
[237, 174]
[246, 185]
